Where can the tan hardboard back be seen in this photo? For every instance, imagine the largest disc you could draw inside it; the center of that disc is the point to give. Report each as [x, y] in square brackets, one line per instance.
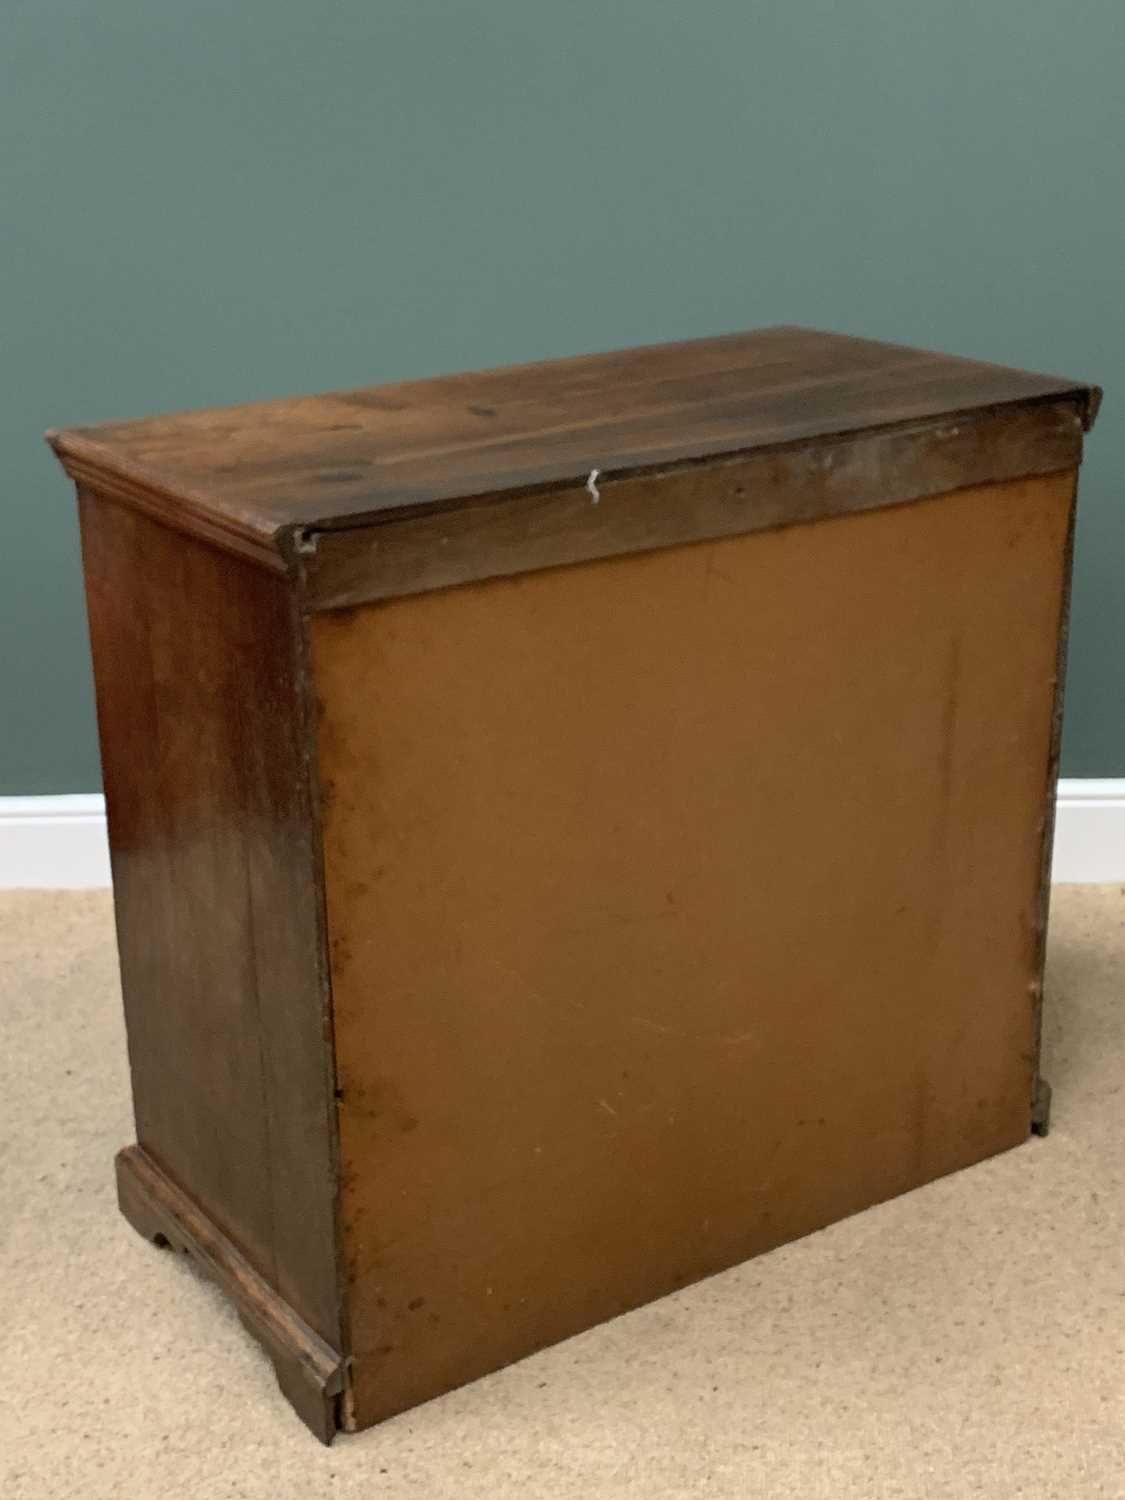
[678, 905]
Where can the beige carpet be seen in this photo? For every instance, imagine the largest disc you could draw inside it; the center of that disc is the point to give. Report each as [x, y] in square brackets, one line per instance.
[968, 1339]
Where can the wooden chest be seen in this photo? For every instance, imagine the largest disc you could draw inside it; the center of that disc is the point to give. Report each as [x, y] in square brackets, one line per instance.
[573, 827]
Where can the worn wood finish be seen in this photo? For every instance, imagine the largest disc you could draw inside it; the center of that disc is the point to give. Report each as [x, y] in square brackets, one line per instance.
[309, 1371]
[504, 943]
[680, 904]
[254, 477]
[206, 768]
[694, 502]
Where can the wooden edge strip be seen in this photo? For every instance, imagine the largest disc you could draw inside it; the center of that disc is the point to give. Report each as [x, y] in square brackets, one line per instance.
[306, 699]
[116, 479]
[1041, 1091]
[311, 1373]
[612, 515]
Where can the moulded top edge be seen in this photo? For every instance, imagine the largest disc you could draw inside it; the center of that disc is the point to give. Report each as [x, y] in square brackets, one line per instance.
[251, 475]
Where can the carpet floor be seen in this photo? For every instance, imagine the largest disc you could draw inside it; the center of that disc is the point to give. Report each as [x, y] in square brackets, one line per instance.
[965, 1340]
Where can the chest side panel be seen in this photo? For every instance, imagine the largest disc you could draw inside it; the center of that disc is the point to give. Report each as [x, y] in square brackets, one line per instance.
[205, 765]
[679, 904]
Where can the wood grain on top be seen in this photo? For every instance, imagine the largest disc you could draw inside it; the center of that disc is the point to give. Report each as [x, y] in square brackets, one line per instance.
[250, 474]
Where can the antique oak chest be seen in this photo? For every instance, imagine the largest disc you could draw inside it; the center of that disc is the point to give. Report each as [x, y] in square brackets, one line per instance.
[573, 827]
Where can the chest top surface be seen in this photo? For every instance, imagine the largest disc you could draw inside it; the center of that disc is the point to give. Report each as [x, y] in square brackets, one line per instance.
[259, 472]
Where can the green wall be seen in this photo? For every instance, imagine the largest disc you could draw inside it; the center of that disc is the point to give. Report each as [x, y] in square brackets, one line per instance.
[204, 203]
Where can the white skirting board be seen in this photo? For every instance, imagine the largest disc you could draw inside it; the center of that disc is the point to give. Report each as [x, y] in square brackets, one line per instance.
[60, 842]
[53, 842]
[1090, 831]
